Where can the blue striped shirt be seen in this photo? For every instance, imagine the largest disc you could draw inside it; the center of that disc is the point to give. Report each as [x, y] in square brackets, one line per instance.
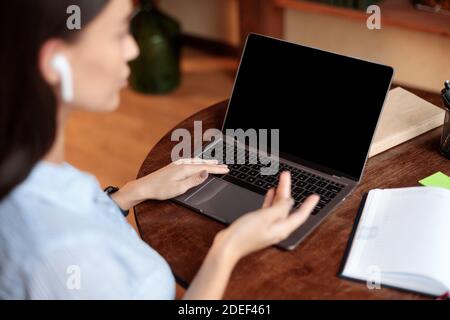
[62, 237]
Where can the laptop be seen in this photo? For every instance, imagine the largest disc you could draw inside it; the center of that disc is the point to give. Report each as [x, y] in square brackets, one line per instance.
[324, 108]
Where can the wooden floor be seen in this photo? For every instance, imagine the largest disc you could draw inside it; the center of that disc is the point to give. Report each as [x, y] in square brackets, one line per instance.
[113, 146]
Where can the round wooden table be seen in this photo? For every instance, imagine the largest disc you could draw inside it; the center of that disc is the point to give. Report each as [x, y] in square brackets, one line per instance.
[183, 236]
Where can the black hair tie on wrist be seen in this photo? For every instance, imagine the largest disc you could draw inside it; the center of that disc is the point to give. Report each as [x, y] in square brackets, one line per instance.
[109, 191]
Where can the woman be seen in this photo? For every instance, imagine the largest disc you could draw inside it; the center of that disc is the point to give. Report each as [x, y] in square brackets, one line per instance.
[61, 236]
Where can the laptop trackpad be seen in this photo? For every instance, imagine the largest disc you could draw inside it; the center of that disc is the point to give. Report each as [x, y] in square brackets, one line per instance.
[224, 200]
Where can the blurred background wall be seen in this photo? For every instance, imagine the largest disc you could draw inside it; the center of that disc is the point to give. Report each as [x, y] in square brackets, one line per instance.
[210, 19]
[421, 59]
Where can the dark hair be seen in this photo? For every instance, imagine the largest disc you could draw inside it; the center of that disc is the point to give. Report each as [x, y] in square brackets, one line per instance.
[28, 106]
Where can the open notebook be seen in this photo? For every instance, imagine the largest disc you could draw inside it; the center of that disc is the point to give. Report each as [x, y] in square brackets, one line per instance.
[404, 236]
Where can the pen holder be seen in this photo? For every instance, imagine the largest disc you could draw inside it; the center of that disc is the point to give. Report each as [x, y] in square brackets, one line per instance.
[445, 139]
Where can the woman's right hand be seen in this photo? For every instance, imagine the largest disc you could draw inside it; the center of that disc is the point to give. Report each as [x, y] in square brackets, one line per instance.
[251, 232]
[267, 226]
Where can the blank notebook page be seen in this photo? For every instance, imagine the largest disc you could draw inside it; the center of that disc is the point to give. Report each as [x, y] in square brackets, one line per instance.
[403, 232]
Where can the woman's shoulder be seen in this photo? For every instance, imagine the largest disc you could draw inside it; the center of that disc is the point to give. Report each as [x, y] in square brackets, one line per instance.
[51, 203]
[41, 248]
[52, 184]
[60, 217]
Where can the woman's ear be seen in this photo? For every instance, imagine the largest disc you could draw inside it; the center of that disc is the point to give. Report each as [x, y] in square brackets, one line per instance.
[49, 50]
[55, 68]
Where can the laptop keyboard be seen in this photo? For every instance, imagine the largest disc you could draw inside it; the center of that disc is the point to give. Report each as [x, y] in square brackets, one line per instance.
[248, 175]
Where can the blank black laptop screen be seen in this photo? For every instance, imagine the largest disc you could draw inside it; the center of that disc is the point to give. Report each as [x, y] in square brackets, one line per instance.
[325, 105]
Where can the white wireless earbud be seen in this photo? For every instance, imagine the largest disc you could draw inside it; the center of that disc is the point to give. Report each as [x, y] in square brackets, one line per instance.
[61, 65]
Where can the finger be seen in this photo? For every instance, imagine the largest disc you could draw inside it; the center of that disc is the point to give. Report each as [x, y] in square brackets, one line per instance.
[203, 161]
[309, 204]
[268, 198]
[298, 217]
[195, 161]
[284, 187]
[192, 169]
[193, 181]
[279, 209]
[181, 161]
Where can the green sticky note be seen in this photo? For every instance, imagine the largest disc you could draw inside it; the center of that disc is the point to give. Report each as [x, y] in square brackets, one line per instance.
[436, 180]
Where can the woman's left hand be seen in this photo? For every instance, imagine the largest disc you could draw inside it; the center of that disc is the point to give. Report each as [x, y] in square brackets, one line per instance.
[168, 182]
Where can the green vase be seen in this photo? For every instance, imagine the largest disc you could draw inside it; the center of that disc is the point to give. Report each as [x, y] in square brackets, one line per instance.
[157, 69]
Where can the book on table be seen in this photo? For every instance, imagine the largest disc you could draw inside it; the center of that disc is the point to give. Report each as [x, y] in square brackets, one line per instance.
[401, 239]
